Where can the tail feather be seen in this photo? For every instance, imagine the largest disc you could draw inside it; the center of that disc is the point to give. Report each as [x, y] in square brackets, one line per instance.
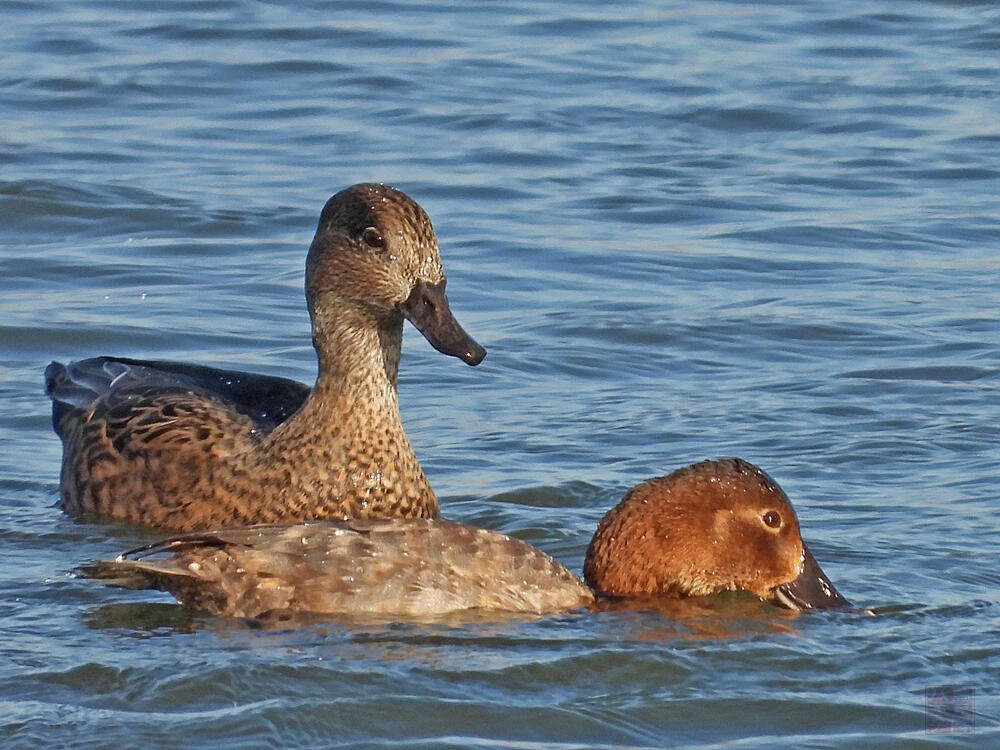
[66, 398]
[195, 580]
[77, 386]
[80, 383]
[131, 574]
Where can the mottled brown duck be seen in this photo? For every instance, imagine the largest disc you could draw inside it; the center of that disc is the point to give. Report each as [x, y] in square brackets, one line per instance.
[189, 447]
[715, 526]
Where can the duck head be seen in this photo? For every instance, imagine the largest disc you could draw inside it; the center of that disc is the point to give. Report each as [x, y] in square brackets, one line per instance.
[374, 260]
[711, 527]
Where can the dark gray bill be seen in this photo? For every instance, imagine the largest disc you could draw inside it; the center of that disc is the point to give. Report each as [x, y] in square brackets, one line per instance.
[427, 308]
[811, 590]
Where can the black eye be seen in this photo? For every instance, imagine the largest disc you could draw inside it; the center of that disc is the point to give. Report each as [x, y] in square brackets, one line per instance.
[373, 238]
[772, 519]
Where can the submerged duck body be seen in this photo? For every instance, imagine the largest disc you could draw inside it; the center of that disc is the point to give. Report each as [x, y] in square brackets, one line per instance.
[711, 527]
[413, 567]
[188, 447]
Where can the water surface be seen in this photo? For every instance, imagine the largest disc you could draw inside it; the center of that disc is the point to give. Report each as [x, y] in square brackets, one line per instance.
[681, 230]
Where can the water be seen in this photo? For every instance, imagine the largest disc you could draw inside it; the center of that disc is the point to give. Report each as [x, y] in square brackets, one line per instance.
[682, 231]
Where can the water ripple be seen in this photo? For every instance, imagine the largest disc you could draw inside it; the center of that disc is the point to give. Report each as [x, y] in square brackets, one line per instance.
[682, 232]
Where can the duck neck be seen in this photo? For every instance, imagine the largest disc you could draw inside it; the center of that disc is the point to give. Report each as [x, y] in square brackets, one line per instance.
[355, 390]
[346, 448]
[357, 352]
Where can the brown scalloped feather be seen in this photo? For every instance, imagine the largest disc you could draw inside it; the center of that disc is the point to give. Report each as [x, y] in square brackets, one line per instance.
[402, 567]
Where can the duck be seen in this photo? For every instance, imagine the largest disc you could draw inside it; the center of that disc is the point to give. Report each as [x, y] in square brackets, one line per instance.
[187, 447]
[718, 525]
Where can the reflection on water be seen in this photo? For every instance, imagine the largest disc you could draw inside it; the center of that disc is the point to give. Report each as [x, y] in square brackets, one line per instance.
[140, 620]
[723, 616]
[728, 615]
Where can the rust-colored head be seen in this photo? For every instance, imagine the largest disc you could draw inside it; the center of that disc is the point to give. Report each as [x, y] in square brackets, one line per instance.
[375, 257]
[711, 527]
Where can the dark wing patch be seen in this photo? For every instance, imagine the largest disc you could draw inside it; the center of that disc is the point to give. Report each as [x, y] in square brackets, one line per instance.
[267, 401]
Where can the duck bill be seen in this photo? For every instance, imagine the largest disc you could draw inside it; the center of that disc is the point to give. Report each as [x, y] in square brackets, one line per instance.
[427, 308]
[811, 590]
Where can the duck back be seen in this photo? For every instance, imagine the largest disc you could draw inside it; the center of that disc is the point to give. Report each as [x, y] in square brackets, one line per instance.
[76, 388]
[390, 567]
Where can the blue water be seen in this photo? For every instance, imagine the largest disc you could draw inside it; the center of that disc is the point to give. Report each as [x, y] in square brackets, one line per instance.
[682, 231]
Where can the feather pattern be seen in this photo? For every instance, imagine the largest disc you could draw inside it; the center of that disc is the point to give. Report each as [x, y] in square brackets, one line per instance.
[191, 447]
[400, 567]
[714, 526]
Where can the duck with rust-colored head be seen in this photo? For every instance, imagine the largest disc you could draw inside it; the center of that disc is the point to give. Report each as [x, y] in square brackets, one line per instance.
[189, 447]
[712, 527]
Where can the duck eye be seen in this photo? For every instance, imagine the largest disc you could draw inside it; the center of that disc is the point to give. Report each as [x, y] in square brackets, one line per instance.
[373, 238]
[772, 519]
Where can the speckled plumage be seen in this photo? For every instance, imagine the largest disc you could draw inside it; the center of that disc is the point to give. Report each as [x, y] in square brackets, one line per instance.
[711, 527]
[189, 447]
[394, 567]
